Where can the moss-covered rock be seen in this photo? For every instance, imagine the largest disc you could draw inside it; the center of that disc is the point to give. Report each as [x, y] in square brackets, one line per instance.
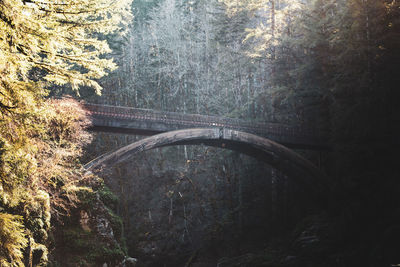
[91, 222]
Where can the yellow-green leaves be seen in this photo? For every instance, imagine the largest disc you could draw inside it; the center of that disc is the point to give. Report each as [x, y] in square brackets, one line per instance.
[45, 43]
[39, 148]
[56, 41]
[12, 240]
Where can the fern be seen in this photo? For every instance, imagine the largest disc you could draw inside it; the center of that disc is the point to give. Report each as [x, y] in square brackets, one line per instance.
[12, 240]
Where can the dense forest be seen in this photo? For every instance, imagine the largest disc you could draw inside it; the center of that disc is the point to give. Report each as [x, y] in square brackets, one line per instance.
[327, 65]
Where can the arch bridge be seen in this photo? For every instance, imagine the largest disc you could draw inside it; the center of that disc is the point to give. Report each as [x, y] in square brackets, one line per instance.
[271, 145]
[149, 122]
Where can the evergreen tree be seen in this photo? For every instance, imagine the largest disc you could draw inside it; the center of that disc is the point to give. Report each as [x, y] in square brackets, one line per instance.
[45, 44]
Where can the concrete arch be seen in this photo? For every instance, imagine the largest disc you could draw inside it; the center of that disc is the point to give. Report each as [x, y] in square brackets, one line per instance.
[278, 156]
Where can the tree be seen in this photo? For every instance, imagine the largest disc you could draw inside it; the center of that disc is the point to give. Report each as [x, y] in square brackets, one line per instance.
[44, 44]
[53, 42]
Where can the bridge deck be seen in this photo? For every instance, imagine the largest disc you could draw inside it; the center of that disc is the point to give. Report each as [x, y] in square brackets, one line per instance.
[149, 122]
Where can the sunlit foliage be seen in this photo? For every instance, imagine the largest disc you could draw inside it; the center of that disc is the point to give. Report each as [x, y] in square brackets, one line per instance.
[45, 44]
[12, 239]
[54, 42]
[39, 173]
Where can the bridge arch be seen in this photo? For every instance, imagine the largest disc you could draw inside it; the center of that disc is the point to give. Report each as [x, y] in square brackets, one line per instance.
[278, 156]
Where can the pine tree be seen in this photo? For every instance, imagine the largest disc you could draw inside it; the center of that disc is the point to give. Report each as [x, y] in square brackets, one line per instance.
[53, 42]
[45, 44]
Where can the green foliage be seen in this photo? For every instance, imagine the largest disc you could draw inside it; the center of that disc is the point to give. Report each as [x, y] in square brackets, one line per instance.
[33, 155]
[116, 223]
[53, 145]
[37, 215]
[107, 254]
[85, 195]
[12, 240]
[45, 44]
[77, 239]
[54, 43]
[108, 197]
[79, 243]
[42, 44]
[91, 221]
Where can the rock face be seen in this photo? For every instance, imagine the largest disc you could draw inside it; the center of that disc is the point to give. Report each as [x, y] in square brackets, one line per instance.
[104, 228]
[91, 236]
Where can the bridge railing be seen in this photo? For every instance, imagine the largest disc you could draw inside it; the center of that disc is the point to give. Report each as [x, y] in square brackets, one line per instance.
[196, 120]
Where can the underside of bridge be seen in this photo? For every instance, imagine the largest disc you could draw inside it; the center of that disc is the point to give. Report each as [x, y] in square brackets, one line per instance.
[278, 156]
